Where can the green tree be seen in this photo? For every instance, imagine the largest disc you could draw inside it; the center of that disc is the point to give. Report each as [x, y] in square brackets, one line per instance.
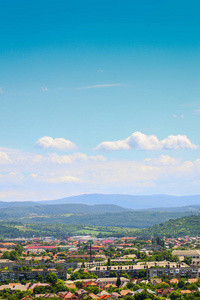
[175, 295]
[124, 274]
[181, 283]
[142, 274]
[92, 289]
[144, 295]
[113, 274]
[118, 282]
[19, 249]
[52, 278]
[14, 255]
[60, 285]
[188, 260]
[6, 255]
[69, 271]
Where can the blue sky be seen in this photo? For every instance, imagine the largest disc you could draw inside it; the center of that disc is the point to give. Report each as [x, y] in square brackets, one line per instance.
[96, 71]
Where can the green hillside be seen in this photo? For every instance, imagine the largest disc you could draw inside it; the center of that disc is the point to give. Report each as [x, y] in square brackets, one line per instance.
[175, 228]
[132, 219]
[17, 230]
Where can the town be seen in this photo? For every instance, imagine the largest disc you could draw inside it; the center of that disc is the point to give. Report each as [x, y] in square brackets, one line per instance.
[87, 267]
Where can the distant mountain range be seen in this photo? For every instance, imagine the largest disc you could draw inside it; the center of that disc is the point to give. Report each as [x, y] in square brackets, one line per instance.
[133, 202]
[101, 210]
[107, 210]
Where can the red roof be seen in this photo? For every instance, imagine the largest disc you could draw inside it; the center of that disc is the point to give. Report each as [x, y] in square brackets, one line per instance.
[40, 247]
[107, 241]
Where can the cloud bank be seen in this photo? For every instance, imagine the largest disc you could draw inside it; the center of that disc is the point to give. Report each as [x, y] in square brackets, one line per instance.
[142, 141]
[31, 176]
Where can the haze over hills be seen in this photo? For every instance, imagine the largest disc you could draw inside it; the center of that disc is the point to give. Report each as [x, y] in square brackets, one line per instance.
[5, 204]
[95, 215]
[130, 201]
[99, 210]
[133, 202]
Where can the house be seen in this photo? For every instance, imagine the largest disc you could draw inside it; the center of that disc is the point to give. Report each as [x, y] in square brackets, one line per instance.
[192, 253]
[164, 292]
[7, 263]
[80, 293]
[34, 285]
[185, 292]
[70, 286]
[155, 281]
[46, 296]
[104, 271]
[115, 295]
[103, 293]
[105, 297]
[102, 282]
[170, 269]
[68, 296]
[167, 291]
[110, 284]
[85, 284]
[93, 296]
[13, 287]
[173, 280]
[192, 280]
[126, 293]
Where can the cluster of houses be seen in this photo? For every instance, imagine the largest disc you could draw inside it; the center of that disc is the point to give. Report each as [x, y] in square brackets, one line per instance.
[43, 256]
[104, 284]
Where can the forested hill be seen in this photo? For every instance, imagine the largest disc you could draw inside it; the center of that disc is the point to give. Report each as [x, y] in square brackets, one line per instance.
[185, 226]
[175, 228]
[59, 209]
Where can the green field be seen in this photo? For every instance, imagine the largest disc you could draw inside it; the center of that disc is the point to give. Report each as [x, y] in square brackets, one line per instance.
[17, 229]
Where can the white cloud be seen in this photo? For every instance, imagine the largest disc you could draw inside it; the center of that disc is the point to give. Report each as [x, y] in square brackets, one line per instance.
[100, 71]
[57, 143]
[162, 160]
[1, 90]
[44, 89]
[99, 86]
[142, 141]
[177, 142]
[82, 173]
[4, 158]
[69, 159]
[63, 179]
